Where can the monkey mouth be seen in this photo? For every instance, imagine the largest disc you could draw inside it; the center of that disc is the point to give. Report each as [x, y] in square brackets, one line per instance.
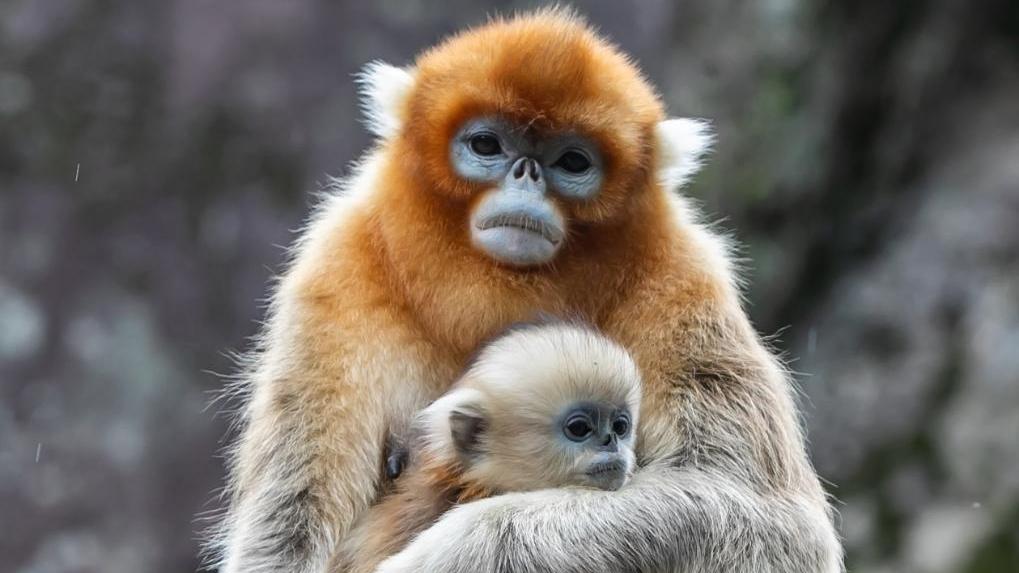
[516, 232]
[605, 469]
[607, 475]
[523, 222]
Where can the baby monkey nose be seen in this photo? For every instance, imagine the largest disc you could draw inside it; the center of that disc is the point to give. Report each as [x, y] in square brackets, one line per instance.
[608, 440]
[526, 166]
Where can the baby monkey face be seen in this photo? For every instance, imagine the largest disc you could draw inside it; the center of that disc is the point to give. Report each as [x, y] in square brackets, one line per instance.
[528, 445]
[543, 406]
[599, 438]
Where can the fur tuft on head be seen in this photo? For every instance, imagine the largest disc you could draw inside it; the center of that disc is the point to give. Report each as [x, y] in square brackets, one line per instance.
[549, 363]
[384, 89]
[682, 144]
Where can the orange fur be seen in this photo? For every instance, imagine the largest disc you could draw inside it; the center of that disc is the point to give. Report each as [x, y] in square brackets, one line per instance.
[550, 72]
[386, 297]
[421, 497]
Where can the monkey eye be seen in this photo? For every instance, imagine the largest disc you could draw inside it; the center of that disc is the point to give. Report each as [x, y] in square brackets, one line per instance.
[485, 144]
[573, 161]
[621, 426]
[578, 427]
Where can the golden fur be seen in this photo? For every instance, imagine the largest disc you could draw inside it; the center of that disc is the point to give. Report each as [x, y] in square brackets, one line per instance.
[386, 298]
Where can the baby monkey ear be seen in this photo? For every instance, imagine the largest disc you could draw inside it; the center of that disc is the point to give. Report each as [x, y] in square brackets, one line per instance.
[384, 90]
[682, 144]
[467, 425]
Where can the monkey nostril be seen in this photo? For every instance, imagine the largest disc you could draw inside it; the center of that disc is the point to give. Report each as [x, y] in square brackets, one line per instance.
[520, 167]
[526, 167]
[533, 169]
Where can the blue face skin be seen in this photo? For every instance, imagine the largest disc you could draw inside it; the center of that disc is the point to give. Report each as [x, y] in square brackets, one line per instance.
[601, 433]
[517, 223]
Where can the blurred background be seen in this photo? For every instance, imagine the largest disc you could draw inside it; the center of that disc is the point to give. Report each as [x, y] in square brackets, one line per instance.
[155, 156]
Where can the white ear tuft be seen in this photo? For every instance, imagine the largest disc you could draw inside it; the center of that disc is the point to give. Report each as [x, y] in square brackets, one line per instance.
[383, 90]
[681, 143]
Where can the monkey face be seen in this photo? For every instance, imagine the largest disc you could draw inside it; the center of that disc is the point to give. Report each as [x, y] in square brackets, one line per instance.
[517, 221]
[584, 443]
[544, 406]
[599, 437]
[517, 446]
[531, 137]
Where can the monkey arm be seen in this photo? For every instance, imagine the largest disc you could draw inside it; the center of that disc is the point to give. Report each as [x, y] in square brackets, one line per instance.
[667, 519]
[729, 490]
[324, 394]
[386, 528]
[299, 477]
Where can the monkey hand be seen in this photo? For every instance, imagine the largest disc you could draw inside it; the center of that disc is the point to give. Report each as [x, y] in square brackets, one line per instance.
[459, 542]
[397, 455]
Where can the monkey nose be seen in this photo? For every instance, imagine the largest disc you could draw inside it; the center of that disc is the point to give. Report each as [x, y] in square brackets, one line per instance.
[526, 167]
[608, 442]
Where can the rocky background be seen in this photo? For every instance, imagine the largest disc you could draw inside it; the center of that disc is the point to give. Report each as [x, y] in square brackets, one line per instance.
[156, 154]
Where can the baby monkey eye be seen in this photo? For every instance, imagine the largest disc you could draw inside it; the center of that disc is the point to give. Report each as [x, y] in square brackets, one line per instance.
[485, 144]
[578, 428]
[621, 426]
[573, 161]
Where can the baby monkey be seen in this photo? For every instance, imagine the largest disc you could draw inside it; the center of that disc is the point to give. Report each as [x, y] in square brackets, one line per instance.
[542, 406]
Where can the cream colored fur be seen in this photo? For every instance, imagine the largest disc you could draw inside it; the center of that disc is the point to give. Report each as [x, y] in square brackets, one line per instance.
[519, 383]
[384, 300]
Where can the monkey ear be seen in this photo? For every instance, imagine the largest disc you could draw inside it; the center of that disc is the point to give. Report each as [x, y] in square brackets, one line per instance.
[384, 89]
[682, 143]
[467, 424]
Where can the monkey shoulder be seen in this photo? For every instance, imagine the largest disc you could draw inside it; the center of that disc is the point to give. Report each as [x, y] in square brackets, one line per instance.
[685, 323]
[335, 309]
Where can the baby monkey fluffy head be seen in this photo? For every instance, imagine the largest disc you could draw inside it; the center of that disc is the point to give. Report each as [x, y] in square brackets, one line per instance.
[542, 406]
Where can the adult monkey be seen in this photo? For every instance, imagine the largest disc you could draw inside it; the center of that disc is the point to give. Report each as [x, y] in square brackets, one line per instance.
[523, 166]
